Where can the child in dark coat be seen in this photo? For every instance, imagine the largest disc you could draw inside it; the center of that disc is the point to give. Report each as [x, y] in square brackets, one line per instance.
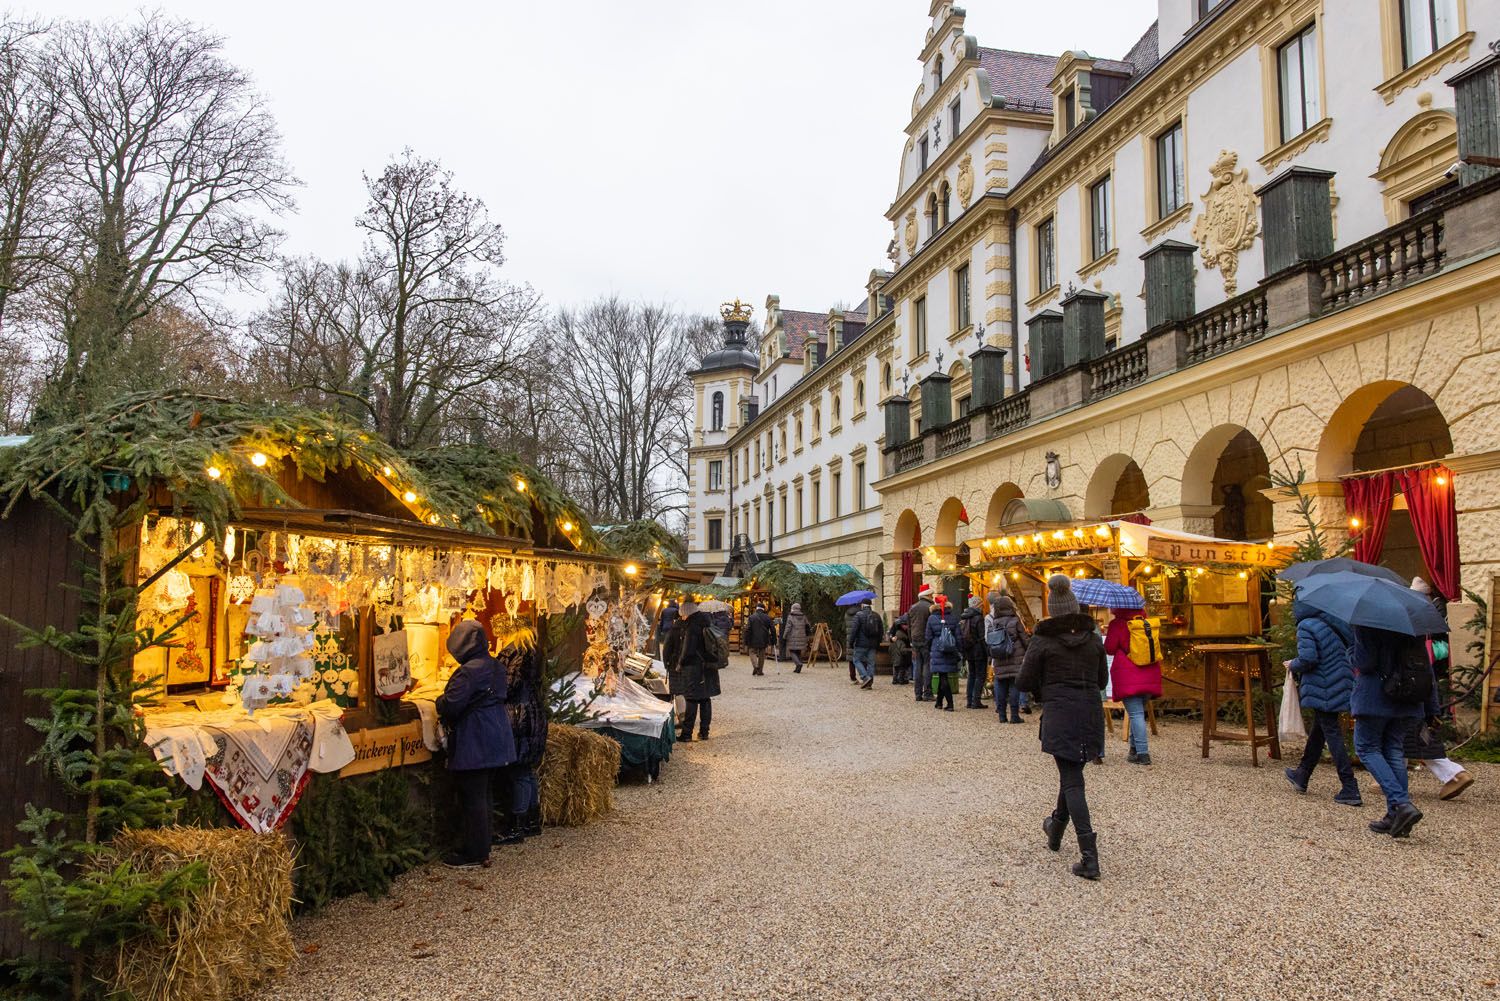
[472, 707]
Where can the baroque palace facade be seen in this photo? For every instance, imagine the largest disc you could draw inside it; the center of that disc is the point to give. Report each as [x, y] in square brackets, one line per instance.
[1267, 236]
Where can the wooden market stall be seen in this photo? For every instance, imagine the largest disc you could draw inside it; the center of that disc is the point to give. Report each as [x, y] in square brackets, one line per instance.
[1199, 588]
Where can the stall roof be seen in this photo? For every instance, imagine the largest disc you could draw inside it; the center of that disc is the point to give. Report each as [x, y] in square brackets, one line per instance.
[827, 569]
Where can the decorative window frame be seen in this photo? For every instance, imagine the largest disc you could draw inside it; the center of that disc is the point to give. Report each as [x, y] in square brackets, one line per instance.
[1399, 76]
[1410, 166]
[1280, 30]
[1176, 114]
[1086, 220]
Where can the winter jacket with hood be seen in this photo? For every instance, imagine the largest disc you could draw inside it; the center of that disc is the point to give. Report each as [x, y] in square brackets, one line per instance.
[760, 630]
[866, 630]
[473, 704]
[1371, 651]
[1127, 678]
[523, 703]
[666, 619]
[943, 663]
[1325, 674]
[1065, 668]
[1003, 616]
[972, 622]
[916, 617]
[688, 672]
[795, 630]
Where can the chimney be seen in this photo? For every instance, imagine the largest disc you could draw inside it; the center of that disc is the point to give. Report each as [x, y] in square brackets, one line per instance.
[937, 401]
[1296, 211]
[897, 420]
[1171, 283]
[988, 381]
[1045, 336]
[1477, 95]
[1083, 326]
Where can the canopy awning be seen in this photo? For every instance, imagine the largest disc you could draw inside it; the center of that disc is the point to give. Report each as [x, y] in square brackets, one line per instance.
[828, 570]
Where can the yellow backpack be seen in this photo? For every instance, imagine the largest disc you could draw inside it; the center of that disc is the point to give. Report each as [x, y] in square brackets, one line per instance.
[1145, 641]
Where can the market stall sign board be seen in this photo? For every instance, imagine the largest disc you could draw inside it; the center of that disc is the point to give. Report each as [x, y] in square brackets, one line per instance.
[1241, 553]
[387, 747]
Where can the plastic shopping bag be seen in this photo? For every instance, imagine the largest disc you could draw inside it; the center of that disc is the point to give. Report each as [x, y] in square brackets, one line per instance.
[1290, 722]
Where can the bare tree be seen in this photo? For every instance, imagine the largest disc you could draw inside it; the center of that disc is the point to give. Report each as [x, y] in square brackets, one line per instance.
[31, 149]
[625, 370]
[420, 329]
[172, 168]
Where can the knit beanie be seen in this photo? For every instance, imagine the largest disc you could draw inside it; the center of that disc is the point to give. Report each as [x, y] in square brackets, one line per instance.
[1060, 600]
[973, 601]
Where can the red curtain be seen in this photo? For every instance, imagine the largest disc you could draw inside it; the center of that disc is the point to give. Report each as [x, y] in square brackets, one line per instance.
[1434, 516]
[1368, 498]
[908, 582]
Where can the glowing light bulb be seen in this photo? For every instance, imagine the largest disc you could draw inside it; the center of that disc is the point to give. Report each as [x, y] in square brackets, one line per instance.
[1078, 572]
[1037, 538]
[1077, 533]
[1102, 531]
[433, 519]
[631, 569]
[1353, 522]
[258, 459]
[1200, 571]
[1146, 570]
[1057, 534]
[1441, 481]
[386, 470]
[1270, 545]
[1005, 543]
[567, 526]
[410, 497]
[1015, 575]
[520, 485]
[214, 472]
[1244, 575]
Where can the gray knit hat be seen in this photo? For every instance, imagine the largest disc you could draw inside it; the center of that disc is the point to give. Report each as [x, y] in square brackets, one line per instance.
[1060, 600]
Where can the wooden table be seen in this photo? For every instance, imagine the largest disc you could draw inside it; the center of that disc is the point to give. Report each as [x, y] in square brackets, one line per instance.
[1248, 659]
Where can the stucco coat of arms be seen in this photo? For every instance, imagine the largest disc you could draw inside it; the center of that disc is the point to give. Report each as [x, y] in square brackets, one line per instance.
[1230, 221]
[911, 232]
[965, 179]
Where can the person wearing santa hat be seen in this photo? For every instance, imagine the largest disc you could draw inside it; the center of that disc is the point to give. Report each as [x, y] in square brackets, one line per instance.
[921, 662]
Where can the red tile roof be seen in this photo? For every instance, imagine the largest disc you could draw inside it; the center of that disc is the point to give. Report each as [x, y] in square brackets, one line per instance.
[1020, 77]
[801, 326]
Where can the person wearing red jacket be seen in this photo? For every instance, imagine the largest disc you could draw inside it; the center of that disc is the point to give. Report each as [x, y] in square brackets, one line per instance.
[1131, 683]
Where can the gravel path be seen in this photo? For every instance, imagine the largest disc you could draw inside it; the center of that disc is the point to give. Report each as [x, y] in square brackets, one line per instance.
[834, 843]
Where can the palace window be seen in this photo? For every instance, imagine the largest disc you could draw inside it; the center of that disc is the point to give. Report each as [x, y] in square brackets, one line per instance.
[718, 412]
[1070, 111]
[837, 478]
[1171, 186]
[837, 409]
[715, 534]
[1046, 254]
[964, 403]
[800, 514]
[859, 486]
[799, 432]
[932, 216]
[944, 198]
[885, 377]
[859, 396]
[1298, 62]
[919, 326]
[716, 475]
[937, 72]
[1426, 26]
[922, 154]
[1101, 240]
[783, 515]
[961, 292]
[816, 501]
[953, 120]
[817, 423]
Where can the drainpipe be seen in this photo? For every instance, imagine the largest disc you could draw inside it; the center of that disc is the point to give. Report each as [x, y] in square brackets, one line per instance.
[1016, 358]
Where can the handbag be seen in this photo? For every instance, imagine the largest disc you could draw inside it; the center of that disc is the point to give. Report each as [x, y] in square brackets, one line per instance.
[1290, 721]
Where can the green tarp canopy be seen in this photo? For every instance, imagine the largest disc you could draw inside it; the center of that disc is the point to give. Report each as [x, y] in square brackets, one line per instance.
[830, 570]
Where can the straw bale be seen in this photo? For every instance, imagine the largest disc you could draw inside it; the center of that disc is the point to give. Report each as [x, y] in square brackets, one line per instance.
[233, 935]
[577, 776]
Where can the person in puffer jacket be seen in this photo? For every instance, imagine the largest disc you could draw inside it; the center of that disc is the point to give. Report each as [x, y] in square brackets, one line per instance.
[1325, 680]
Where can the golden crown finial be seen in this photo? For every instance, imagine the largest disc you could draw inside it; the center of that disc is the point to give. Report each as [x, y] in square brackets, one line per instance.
[735, 312]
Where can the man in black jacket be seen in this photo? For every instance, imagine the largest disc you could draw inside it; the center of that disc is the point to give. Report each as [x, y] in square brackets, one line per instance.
[760, 636]
[864, 639]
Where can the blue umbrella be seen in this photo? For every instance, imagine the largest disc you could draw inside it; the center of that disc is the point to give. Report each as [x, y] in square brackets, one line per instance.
[1371, 601]
[854, 598]
[1312, 568]
[1106, 593]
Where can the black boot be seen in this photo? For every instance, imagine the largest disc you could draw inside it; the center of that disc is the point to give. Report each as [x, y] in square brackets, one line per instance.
[509, 831]
[1088, 865]
[531, 823]
[1054, 827]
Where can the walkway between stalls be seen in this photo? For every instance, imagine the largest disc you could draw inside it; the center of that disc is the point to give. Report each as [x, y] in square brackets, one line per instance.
[829, 842]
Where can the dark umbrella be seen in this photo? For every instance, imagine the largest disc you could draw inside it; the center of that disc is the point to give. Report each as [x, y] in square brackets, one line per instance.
[1371, 601]
[1338, 564]
[854, 598]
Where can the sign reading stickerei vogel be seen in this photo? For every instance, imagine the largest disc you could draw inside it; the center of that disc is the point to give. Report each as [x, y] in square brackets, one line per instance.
[387, 747]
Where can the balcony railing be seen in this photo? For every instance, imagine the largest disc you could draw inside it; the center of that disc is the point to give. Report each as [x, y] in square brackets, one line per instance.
[909, 454]
[954, 437]
[1408, 251]
[1118, 370]
[1231, 324]
[1009, 414]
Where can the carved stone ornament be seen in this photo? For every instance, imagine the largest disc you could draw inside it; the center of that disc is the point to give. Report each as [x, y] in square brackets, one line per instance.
[965, 179]
[1230, 221]
[911, 232]
[1053, 471]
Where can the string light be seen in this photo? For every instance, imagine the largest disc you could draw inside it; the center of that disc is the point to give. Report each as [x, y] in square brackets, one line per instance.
[214, 472]
[520, 484]
[1353, 522]
[631, 569]
[410, 497]
[567, 526]
[1441, 481]
[1077, 533]
[1270, 545]
[1200, 571]
[1147, 570]
[1244, 575]
[1005, 543]
[1015, 575]
[1037, 538]
[1102, 531]
[386, 470]
[1057, 534]
[258, 459]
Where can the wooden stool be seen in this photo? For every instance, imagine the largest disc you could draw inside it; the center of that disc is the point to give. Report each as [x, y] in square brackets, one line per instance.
[1109, 717]
[1247, 659]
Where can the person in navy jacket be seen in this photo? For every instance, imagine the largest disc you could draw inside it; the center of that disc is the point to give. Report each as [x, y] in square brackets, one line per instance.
[472, 707]
[1325, 681]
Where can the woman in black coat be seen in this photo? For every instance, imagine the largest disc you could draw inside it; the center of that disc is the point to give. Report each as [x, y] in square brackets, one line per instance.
[524, 661]
[1065, 667]
[480, 743]
[689, 671]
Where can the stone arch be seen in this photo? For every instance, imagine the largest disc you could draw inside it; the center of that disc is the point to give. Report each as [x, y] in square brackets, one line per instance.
[1416, 160]
[1118, 486]
[994, 519]
[949, 515]
[1385, 423]
[1228, 469]
[908, 534]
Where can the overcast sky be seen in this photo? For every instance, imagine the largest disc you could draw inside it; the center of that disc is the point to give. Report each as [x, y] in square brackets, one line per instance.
[681, 151]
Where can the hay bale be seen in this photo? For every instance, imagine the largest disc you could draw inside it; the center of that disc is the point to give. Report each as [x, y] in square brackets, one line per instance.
[577, 776]
[234, 933]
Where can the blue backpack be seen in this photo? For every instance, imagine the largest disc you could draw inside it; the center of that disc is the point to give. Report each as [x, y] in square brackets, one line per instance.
[946, 642]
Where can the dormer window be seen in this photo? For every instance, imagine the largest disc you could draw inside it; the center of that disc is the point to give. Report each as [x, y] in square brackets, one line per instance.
[1070, 110]
[937, 72]
[1206, 7]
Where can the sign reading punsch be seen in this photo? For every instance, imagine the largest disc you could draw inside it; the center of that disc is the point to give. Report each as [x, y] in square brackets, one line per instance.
[1239, 553]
